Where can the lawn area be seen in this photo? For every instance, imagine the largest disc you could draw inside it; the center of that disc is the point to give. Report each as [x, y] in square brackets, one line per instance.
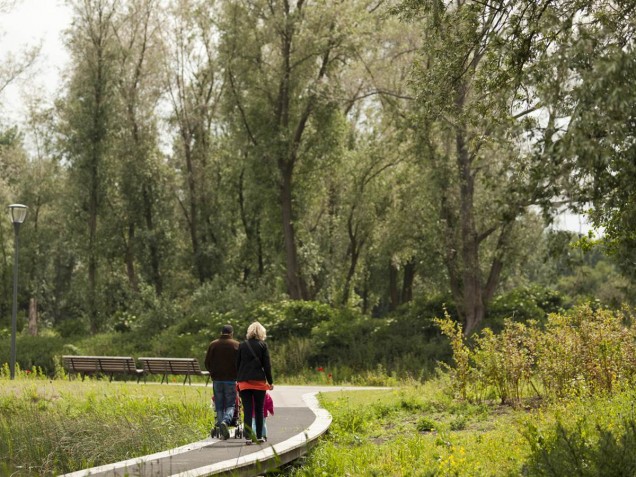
[56, 426]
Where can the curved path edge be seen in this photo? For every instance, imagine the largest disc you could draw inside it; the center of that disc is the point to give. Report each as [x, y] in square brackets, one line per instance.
[273, 456]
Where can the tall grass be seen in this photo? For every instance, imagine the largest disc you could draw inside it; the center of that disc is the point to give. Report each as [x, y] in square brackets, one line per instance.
[420, 430]
[50, 427]
[583, 352]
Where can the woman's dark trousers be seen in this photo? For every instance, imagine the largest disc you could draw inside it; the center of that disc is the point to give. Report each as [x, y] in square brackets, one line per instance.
[253, 401]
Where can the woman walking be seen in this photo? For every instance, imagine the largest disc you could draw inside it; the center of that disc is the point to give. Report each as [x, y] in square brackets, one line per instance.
[254, 378]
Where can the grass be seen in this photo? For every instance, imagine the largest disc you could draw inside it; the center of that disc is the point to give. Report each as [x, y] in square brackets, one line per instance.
[49, 427]
[418, 430]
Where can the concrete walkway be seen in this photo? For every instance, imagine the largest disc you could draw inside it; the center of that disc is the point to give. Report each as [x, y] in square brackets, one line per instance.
[298, 421]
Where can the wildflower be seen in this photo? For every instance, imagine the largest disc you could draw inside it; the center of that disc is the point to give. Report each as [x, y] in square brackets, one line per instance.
[320, 369]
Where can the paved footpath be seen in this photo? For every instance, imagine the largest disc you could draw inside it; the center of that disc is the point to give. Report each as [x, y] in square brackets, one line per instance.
[297, 422]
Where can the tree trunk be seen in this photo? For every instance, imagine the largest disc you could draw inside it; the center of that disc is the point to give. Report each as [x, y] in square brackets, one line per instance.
[92, 250]
[407, 284]
[472, 302]
[193, 209]
[130, 258]
[33, 317]
[394, 293]
[353, 263]
[295, 284]
[354, 254]
[155, 255]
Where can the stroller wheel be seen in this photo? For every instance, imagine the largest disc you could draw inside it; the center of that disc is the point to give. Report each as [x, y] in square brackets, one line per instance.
[238, 433]
[214, 433]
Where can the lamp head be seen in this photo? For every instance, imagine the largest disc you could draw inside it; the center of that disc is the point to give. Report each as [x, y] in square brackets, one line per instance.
[18, 213]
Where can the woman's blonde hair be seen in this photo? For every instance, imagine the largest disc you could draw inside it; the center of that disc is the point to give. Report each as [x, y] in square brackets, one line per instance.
[257, 331]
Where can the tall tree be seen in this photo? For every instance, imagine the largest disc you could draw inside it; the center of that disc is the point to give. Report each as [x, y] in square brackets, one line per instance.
[282, 60]
[477, 83]
[88, 114]
[597, 65]
[143, 207]
[194, 84]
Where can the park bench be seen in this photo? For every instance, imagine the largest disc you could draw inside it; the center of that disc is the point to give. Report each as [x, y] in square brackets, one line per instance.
[178, 366]
[109, 365]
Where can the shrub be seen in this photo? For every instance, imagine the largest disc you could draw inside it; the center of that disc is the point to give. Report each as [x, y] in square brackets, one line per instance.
[291, 357]
[151, 314]
[32, 351]
[584, 351]
[346, 330]
[462, 372]
[179, 345]
[292, 318]
[113, 344]
[70, 328]
[426, 424]
[405, 343]
[524, 304]
[504, 361]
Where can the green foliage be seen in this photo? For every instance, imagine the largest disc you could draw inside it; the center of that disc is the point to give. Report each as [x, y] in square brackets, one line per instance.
[292, 356]
[462, 371]
[583, 437]
[600, 282]
[180, 239]
[36, 351]
[405, 342]
[599, 139]
[151, 313]
[179, 345]
[504, 361]
[347, 330]
[293, 318]
[113, 344]
[524, 304]
[426, 424]
[419, 430]
[74, 327]
[584, 452]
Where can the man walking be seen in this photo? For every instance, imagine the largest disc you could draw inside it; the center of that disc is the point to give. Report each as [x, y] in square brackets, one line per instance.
[220, 361]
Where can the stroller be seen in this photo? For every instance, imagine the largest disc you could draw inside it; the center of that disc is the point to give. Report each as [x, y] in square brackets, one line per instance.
[215, 433]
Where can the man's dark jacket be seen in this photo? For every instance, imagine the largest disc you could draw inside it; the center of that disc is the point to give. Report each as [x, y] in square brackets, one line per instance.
[254, 366]
[220, 359]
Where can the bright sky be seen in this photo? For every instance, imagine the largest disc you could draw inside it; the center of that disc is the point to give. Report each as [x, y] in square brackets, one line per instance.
[31, 23]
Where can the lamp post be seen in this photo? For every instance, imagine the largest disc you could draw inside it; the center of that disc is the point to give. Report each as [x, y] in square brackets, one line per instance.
[18, 214]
